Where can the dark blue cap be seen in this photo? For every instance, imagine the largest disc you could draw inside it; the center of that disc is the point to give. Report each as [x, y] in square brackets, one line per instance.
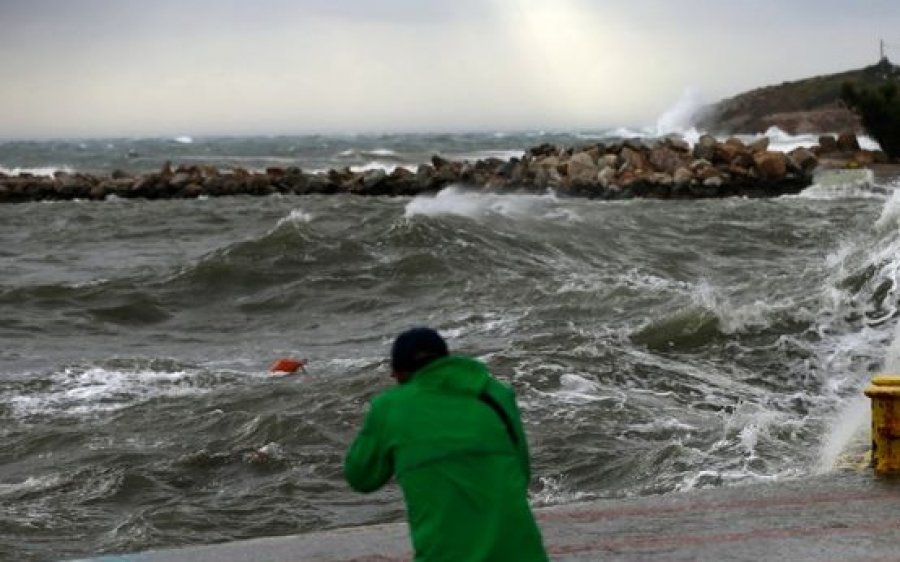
[415, 348]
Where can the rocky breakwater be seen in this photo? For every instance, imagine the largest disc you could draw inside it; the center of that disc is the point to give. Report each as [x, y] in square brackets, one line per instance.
[844, 151]
[668, 168]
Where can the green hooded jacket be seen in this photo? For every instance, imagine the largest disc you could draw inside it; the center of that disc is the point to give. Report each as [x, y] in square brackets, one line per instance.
[463, 469]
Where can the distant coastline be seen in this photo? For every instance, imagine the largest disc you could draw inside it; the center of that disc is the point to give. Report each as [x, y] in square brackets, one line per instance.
[811, 105]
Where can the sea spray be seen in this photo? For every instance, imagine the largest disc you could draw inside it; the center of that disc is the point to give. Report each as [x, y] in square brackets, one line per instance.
[848, 427]
[680, 117]
[847, 433]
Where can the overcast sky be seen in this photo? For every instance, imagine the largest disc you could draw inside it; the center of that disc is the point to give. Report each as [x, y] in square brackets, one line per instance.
[197, 67]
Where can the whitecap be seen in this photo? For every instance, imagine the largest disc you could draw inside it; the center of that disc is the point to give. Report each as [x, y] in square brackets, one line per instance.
[716, 478]
[31, 484]
[831, 185]
[454, 200]
[663, 425]
[381, 152]
[380, 165]
[296, 216]
[80, 392]
[575, 389]
[554, 491]
[485, 154]
[44, 171]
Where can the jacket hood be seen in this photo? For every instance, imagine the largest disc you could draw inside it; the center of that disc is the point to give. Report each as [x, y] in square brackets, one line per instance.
[455, 373]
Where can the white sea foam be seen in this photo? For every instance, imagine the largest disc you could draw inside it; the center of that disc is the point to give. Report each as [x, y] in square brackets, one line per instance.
[184, 139]
[575, 391]
[848, 423]
[667, 425]
[680, 119]
[877, 262]
[45, 171]
[296, 216]
[573, 282]
[485, 154]
[715, 478]
[786, 142]
[380, 165]
[846, 427]
[629, 133]
[892, 356]
[31, 484]
[648, 282]
[736, 318]
[575, 388]
[889, 220]
[376, 152]
[79, 392]
[554, 491]
[842, 184]
[455, 201]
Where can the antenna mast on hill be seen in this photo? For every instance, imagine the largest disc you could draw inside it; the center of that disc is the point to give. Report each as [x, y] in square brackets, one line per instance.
[884, 47]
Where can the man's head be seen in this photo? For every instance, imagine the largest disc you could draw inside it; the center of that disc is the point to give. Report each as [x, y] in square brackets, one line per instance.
[413, 349]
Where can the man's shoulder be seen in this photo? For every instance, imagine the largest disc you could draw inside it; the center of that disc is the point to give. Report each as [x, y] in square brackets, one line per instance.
[498, 387]
[390, 396]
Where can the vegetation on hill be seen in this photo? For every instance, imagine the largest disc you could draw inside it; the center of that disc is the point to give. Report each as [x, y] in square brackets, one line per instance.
[813, 105]
[879, 108]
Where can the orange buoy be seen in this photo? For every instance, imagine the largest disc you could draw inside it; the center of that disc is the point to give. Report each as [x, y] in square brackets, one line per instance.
[288, 366]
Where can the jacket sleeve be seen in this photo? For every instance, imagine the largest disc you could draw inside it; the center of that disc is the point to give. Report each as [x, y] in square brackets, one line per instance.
[370, 462]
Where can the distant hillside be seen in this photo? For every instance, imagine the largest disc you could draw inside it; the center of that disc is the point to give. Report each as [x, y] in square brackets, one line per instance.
[806, 106]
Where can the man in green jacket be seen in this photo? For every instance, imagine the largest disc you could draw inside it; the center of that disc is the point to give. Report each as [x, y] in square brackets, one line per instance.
[452, 436]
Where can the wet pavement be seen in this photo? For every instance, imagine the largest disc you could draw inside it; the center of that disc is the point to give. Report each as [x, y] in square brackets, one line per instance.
[847, 516]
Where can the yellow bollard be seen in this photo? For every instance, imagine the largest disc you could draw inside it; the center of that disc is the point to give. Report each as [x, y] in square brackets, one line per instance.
[884, 390]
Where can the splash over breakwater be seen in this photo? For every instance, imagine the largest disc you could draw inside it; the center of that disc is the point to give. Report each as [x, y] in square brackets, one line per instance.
[667, 168]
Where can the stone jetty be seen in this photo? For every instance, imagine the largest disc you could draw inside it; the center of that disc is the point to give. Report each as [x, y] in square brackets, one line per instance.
[667, 168]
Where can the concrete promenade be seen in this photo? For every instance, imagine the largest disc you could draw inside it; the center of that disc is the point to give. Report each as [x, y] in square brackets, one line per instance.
[843, 516]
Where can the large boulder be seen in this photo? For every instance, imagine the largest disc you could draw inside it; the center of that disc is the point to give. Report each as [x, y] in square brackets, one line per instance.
[545, 149]
[180, 179]
[771, 166]
[425, 177]
[611, 160]
[726, 152]
[607, 176]
[548, 162]
[581, 167]
[827, 145]
[759, 145]
[373, 178]
[665, 159]
[633, 160]
[847, 142]
[677, 143]
[683, 176]
[705, 148]
[804, 159]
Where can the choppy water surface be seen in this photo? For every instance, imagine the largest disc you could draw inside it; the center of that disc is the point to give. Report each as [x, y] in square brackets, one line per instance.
[656, 347]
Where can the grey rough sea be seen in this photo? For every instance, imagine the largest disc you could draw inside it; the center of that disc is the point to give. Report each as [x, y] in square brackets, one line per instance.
[656, 346]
